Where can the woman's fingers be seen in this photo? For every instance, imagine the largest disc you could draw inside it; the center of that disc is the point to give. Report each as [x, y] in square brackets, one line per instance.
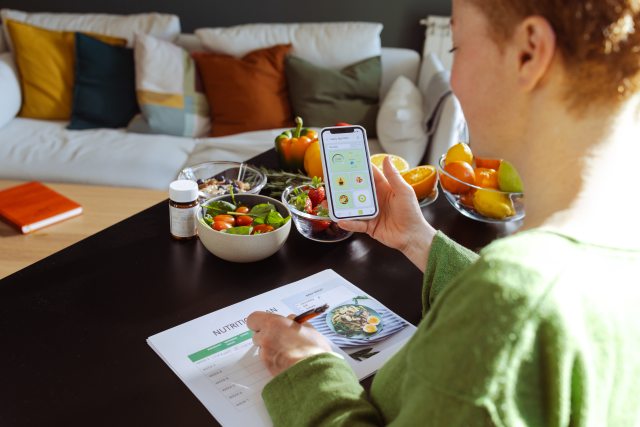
[378, 176]
[357, 226]
[256, 319]
[396, 181]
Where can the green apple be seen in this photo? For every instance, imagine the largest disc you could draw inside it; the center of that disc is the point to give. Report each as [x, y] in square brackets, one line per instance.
[508, 178]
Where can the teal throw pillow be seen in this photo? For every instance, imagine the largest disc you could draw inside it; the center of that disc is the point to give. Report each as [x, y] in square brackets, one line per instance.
[323, 97]
[104, 93]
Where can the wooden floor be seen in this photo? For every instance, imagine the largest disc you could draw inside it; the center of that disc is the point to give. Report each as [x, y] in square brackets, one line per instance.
[102, 207]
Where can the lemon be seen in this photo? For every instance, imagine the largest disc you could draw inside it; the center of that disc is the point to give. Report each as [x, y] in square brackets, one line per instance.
[401, 164]
[312, 161]
[422, 179]
[459, 152]
[493, 204]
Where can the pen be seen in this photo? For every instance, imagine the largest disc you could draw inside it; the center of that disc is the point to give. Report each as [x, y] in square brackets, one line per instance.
[310, 314]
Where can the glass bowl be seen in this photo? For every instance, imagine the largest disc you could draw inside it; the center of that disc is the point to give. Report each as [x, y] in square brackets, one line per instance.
[215, 178]
[463, 201]
[313, 227]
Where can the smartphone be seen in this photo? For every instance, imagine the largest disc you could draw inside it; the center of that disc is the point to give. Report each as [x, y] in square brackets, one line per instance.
[348, 177]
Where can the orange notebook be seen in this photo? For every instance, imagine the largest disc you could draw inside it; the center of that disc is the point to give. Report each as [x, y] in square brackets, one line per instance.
[33, 205]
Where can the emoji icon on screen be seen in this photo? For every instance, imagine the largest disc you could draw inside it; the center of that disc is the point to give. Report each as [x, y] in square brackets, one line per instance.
[340, 181]
[344, 199]
[359, 180]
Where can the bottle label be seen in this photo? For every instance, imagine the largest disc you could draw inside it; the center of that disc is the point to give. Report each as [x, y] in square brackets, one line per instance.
[183, 221]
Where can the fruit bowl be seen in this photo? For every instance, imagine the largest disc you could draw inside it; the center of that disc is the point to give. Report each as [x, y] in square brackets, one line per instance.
[314, 227]
[497, 206]
[215, 178]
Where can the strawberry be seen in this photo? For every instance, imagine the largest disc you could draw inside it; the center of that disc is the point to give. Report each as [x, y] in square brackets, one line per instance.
[318, 225]
[301, 201]
[316, 191]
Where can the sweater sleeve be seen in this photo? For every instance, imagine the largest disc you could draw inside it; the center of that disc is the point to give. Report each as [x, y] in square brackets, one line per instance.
[325, 391]
[446, 260]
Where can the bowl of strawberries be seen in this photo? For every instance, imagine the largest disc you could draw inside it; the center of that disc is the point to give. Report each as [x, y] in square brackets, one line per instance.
[308, 206]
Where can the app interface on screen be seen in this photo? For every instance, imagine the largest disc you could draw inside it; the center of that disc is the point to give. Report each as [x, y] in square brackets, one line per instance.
[349, 174]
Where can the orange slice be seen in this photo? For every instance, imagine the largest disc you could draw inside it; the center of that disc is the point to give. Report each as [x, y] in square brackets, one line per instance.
[401, 164]
[422, 179]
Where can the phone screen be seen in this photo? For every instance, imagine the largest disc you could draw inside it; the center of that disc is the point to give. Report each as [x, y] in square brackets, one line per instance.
[347, 171]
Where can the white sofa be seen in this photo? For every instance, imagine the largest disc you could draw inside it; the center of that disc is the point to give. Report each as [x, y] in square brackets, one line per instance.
[47, 151]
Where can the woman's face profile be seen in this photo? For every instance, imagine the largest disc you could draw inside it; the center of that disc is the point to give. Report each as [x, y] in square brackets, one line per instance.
[481, 79]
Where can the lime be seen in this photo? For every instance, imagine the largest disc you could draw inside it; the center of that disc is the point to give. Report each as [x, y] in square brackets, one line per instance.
[509, 179]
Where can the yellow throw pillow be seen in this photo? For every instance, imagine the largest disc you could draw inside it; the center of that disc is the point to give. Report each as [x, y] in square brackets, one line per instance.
[46, 63]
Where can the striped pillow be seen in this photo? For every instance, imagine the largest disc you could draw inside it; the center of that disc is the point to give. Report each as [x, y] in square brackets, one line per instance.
[168, 90]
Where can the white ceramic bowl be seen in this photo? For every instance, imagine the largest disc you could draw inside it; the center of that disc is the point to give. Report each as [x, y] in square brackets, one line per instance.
[244, 248]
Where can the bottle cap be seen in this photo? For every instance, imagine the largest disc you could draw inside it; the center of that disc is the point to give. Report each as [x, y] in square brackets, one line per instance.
[183, 191]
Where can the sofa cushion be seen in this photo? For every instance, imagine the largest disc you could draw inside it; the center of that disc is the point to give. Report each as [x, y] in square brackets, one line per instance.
[122, 26]
[400, 125]
[323, 97]
[9, 88]
[169, 92]
[246, 94]
[104, 94]
[46, 63]
[331, 45]
[45, 150]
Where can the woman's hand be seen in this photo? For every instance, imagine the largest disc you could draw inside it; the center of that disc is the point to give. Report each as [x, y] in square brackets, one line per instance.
[400, 223]
[284, 342]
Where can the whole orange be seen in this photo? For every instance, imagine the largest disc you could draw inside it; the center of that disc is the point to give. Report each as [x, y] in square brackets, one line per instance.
[463, 172]
[312, 161]
[486, 178]
[467, 198]
[482, 162]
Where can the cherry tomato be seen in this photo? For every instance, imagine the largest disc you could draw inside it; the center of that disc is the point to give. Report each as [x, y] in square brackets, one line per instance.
[262, 228]
[242, 209]
[229, 219]
[243, 220]
[220, 225]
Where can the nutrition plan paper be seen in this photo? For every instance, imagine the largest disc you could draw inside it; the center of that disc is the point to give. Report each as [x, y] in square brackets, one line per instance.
[215, 356]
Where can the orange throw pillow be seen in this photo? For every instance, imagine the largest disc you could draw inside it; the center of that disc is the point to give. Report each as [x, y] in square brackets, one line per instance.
[248, 93]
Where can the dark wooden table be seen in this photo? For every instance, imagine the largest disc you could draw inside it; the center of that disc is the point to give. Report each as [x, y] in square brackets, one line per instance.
[73, 327]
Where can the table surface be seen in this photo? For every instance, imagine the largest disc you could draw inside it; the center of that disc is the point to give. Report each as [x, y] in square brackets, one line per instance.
[74, 325]
[102, 207]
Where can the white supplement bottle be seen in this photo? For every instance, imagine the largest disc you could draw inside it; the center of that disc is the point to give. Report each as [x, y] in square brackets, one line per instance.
[183, 205]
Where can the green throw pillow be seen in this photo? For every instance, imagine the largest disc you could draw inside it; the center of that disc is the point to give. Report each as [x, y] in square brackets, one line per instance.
[323, 97]
[104, 92]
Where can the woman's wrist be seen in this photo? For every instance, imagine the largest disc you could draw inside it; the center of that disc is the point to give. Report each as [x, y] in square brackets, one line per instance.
[419, 245]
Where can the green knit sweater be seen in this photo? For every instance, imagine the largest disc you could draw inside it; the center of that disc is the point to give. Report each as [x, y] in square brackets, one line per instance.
[539, 330]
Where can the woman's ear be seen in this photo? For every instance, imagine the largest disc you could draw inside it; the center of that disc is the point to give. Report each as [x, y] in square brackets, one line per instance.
[535, 43]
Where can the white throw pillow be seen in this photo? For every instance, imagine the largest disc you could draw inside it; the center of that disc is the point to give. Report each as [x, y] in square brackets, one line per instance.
[400, 125]
[159, 25]
[167, 90]
[330, 45]
[11, 98]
